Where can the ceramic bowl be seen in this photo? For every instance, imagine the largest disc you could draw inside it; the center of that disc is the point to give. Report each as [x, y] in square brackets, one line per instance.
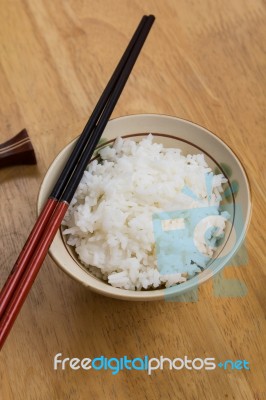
[191, 139]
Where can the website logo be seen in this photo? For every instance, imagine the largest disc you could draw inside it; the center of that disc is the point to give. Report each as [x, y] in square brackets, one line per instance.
[147, 364]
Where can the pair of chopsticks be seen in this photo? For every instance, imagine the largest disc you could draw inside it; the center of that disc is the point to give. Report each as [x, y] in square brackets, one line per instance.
[36, 247]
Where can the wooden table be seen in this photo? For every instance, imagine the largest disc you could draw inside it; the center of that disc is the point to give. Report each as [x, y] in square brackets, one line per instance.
[203, 61]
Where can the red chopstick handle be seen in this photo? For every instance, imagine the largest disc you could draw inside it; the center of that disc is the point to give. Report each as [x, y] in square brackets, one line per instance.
[25, 255]
[31, 272]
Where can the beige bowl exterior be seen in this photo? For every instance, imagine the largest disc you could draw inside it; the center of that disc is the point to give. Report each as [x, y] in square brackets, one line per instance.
[191, 138]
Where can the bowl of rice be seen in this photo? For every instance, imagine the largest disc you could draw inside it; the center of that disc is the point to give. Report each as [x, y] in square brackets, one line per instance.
[163, 206]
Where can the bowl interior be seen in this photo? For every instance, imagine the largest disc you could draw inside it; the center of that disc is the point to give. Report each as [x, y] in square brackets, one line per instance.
[191, 139]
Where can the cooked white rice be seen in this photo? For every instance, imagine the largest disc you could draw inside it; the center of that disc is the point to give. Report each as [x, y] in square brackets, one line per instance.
[109, 221]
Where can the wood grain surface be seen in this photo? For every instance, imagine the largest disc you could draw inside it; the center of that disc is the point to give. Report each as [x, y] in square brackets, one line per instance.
[203, 61]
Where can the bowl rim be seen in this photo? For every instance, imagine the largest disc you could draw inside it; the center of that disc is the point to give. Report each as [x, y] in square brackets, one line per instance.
[158, 294]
